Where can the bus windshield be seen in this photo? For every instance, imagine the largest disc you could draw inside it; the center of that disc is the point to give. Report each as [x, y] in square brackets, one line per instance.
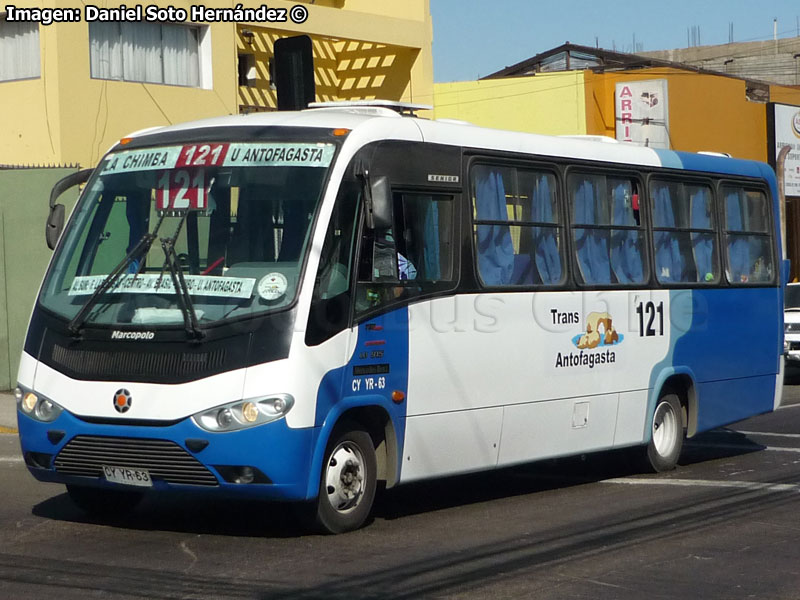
[226, 224]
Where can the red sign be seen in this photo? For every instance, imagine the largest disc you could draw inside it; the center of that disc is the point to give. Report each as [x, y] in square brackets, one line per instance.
[202, 155]
[182, 189]
[626, 106]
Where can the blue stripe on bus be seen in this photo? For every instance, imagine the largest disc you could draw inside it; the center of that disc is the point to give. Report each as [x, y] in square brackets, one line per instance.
[281, 453]
[734, 369]
[378, 367]
[709, 163]
[669, 158]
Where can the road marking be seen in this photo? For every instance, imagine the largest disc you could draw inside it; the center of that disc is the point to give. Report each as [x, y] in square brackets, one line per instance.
[786, 435]
[779, 449]
[743, 447]
[742, 485]
[788, 406]
[4, 429]
[10, 459]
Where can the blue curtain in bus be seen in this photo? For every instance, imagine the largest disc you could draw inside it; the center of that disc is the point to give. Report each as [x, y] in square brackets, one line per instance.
[431, 233]
[702, 243]
[591, 244]
[495, 248]
[669, 266]
[626, 259]
[738, 248]
[545, 243]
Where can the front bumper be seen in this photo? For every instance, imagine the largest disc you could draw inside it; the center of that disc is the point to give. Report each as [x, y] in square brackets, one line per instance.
[179, 456]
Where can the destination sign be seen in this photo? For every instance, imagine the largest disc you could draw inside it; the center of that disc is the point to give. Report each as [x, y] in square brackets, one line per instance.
[152, 283]
[220, 155]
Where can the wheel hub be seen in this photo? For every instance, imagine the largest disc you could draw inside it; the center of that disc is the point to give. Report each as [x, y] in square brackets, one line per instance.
[665, 424]
[345, 477]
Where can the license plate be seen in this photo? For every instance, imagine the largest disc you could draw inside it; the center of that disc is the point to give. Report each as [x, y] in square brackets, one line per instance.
[127, 476]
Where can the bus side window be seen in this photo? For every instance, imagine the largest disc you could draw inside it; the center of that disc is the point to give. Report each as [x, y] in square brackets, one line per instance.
[413, 257]
[626, 238]
[424, 244]
[590, 210]
[330, 304]
[607, 229]
[333, 275]
[747, 234]
[517, 226]
[684, 232]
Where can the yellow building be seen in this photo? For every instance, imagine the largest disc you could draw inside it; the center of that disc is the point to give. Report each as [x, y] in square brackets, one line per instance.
[552, 104]
[570, 90]
[70, 89]
[707, 112]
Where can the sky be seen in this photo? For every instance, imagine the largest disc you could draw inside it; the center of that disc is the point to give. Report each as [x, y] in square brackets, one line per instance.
[473, 38]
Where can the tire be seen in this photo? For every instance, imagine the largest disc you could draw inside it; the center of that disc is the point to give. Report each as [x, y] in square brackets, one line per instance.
[666, 440]
[100, 502]
[347, 482]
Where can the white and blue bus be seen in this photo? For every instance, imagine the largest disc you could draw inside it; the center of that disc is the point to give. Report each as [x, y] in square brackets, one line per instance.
[294, 306]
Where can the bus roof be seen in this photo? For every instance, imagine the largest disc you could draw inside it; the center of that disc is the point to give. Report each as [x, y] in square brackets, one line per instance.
[370, 122]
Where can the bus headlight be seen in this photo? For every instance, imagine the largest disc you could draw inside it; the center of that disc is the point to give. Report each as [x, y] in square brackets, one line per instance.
[225, 418]
[37, 406]
[245, 413]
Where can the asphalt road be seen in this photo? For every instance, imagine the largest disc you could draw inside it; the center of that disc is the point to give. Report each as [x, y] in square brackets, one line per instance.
[725, 524]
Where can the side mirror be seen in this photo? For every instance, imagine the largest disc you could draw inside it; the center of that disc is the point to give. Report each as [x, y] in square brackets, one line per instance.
[56, 217]
[55, 224]
[381, 209]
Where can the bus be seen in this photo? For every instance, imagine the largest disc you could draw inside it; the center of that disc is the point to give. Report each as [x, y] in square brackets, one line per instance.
[295, 306]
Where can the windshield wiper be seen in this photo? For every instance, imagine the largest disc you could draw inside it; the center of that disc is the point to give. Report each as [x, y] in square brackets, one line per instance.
[183, 297]
[181, 290]
[139, 250]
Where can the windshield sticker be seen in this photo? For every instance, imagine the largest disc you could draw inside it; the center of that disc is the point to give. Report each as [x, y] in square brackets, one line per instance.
[226, 155]
[272, 286]
[151, 283]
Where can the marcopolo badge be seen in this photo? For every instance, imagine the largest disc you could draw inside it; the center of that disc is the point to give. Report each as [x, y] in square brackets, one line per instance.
[122, 401]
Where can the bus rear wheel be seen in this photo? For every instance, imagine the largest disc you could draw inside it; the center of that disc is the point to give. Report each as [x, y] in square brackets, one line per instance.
[666, 439]
[347, 482]
[100, 502]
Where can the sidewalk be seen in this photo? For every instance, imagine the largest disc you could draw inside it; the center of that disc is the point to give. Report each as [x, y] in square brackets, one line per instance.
[8, 412]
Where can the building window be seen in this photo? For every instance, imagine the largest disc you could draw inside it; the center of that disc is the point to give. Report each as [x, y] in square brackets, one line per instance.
[145, 52]
[19, 50]
[247, 70]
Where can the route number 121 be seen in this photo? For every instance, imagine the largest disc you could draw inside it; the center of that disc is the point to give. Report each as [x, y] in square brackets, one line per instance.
[651, 315]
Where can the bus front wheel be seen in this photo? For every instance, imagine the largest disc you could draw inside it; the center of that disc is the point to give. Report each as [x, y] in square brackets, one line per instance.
[347, 483]
[666, 439]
